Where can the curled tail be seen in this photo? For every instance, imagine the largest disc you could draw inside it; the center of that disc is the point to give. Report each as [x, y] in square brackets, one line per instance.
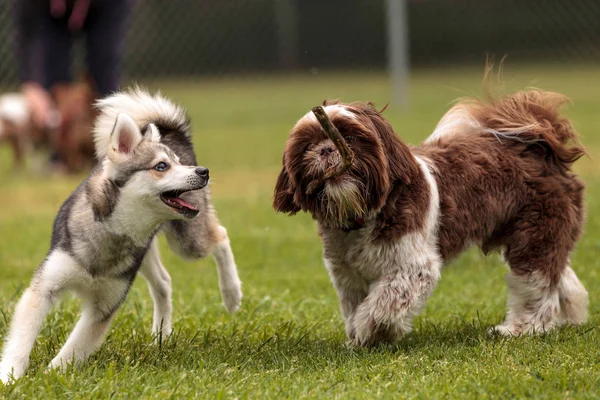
[532, 117]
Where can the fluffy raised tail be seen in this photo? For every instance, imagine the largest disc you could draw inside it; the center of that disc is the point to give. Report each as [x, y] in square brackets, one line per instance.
[532, 117]
[144, 108]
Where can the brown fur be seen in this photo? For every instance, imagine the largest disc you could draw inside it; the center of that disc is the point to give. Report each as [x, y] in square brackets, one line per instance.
[74, 143]
[383, 163]
[504, 182]
[531, 204]
[516, 193]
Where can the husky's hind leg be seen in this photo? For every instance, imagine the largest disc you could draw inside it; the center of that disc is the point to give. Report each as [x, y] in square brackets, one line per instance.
[159, 283]
[49, 281]
[99, 307]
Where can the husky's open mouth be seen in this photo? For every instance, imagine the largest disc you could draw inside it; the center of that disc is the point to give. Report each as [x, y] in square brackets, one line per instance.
[172, 199]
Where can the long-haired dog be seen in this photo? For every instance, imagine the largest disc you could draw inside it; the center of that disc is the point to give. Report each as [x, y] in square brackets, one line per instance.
[105, 233]
[496, 173]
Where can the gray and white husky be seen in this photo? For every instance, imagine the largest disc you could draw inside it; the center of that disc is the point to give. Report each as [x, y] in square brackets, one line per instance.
[147, 180]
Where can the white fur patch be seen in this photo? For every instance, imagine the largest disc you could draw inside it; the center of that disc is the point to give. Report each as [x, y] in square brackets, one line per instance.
[534, 305]
[330, 110]
[229, 281]
[14, 108]
[385, 284]
[457, 120]
[143, 107]
[58, 271]
[574, 299]
[427, 168]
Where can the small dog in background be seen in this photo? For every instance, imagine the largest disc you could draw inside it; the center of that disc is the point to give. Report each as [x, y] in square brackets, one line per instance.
[68, 134]
[495, 172]
[17, 128]
[147, 181]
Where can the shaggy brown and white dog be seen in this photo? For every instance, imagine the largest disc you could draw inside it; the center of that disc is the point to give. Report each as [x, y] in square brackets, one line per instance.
[495, 172]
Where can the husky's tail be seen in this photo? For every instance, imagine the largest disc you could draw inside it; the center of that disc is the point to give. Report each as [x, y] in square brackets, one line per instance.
[531, 117]
[144, 108]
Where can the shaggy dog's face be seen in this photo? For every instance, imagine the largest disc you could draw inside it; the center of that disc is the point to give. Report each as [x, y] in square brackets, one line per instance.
[380, 160]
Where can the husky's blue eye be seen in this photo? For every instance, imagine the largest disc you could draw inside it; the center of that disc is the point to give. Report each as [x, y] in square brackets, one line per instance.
[161, 166]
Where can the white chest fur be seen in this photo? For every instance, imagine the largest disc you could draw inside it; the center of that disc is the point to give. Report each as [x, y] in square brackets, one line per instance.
[358, 253]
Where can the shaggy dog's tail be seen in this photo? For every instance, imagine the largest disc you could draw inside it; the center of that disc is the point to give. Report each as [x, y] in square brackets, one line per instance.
[532, 117]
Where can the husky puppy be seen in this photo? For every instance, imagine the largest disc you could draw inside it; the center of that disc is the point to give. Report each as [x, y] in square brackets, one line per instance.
[147, 181]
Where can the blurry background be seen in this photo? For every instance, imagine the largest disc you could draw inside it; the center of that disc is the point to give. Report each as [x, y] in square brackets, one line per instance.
[188, 39]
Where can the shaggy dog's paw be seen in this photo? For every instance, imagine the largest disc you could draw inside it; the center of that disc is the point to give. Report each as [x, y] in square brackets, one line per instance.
[365, 330]
[505, 330]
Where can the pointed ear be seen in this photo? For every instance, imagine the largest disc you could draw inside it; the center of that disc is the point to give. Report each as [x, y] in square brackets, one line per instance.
[152, 134]
[283, 199]
[124, 138]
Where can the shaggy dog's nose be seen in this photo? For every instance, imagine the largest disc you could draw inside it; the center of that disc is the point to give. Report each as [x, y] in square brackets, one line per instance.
[326, 151]
[202, 172]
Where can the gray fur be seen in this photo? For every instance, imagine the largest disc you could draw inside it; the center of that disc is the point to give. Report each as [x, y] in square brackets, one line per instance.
[190, 239]
[104, 233]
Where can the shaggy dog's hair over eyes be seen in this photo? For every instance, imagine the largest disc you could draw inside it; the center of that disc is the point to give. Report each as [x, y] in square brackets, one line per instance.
[495, 172]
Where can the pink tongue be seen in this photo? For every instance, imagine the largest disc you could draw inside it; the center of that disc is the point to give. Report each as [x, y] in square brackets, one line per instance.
[182, 203]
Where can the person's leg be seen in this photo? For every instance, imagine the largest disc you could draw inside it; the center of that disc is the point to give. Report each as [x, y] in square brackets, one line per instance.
[105, 29]
[57, 43]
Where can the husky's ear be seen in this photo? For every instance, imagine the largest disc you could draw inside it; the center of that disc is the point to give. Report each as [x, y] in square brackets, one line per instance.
[152, 134]
[124, 138]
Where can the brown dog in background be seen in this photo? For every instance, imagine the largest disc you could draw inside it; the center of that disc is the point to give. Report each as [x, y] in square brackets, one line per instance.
[68, 135]
[73, 142]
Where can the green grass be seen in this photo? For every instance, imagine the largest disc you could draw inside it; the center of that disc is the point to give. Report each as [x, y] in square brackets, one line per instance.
[287, 341]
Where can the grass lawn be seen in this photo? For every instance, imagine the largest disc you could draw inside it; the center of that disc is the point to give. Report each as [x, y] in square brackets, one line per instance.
[287, 341]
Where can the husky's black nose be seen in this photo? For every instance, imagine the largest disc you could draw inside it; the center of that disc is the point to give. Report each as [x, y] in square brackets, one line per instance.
[202, 172]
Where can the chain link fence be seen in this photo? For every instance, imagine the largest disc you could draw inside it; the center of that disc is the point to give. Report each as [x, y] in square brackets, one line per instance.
[183, 38]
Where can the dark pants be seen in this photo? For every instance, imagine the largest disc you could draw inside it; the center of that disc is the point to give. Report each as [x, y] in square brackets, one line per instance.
[48, 41]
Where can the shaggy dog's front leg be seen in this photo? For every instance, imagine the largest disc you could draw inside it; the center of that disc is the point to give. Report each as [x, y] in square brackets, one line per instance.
[351, 290]
[393, 301]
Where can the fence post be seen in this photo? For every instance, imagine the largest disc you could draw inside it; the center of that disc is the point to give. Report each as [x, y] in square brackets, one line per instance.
[287, 33]
[398, 52]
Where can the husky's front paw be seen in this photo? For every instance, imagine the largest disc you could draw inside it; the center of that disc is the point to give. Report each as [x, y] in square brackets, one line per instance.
[160, 335]
[59, 364]
[4, 377]
[8, 374]
[232, 298]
